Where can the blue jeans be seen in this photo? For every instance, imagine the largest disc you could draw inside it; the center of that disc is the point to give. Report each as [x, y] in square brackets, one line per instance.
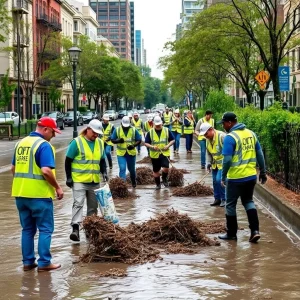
[108, 152]
[36, 214]
[188, 141]
[138, 147]
[128, 160]
[202, 144]
[219, 190]
[177, 139]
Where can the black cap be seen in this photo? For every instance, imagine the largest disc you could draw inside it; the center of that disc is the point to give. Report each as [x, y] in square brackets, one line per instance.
[228, 117]
[208, 112]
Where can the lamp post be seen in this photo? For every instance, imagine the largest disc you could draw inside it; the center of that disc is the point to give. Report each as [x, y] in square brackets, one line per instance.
[74, 53]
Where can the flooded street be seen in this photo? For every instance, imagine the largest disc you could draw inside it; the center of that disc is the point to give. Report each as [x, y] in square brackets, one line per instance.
[234, 270]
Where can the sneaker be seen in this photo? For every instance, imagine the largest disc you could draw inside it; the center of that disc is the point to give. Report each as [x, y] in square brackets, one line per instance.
[222, 204]
[217, 202]
[254, 237]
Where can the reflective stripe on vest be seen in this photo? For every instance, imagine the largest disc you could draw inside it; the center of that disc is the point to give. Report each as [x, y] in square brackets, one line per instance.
[216, 150]
[128, 140]
[160, 142]
[189, 129]
[29, 181]
[211, 122]
[244, 158]
[137, 125]
[86, 164]
[167, 118]
[176, 127]
[107, 134]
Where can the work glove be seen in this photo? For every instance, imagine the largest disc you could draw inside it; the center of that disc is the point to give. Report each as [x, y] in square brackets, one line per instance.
[208, 167]
[263, 177]
[105, 177]
[120, 141]
[130, 147]
[108, 139]
[69, 182]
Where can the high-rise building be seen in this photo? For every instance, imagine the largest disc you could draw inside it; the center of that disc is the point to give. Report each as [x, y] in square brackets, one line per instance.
[189, 8]
[114, 19]
[144, 54]
[178, 31]
[138, 47]
[132, 31]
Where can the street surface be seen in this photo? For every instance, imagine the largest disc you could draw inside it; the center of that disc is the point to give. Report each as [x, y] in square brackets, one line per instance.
[235, 270]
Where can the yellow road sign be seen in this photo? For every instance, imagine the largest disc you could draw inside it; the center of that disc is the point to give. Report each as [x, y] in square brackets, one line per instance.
[262, 78]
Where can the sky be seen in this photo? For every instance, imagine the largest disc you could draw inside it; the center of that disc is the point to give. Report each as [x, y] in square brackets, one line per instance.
[157, 19]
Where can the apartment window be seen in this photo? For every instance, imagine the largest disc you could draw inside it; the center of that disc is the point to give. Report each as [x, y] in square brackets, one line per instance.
[123, 36]
[123, 3]
[101, 30]
[116, 30]
[115, 43]
[123, 29]
[102, 17]
[293, 60]
[75, 25]
[93, 4]
[123, 49]
[123, 43]
[113, 11]
[114, 37]
[123, 18]
[113, 24]
[103, 24]
[122, 23]
[114, 17]
[101, 10]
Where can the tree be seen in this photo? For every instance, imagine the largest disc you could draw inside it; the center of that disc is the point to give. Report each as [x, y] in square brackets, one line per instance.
[6, 92]
[5, 21]
[54, 97]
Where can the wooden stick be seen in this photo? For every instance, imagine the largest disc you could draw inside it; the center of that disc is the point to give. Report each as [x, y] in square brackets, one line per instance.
[204, 176]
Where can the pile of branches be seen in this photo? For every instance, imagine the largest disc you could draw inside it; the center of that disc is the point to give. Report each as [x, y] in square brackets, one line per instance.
[144, 175]
[171, 227]
[176, 177]
[119, 189]
[109, 242]
[212, 228]
[145, 160]
[194, 189]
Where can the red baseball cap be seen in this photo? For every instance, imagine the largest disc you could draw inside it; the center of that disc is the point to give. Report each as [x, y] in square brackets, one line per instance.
[48, 122]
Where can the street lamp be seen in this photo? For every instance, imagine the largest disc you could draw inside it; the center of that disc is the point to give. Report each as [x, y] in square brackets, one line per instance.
[74, 53]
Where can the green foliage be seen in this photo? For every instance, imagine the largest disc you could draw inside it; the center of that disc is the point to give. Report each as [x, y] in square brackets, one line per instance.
[6, 91]
[82, 109]
[54, 96]
[5, 20]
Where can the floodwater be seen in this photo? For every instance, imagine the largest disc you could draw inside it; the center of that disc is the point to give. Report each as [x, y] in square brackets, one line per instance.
[234, 270]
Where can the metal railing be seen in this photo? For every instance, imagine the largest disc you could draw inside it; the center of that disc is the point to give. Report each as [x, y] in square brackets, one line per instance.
[20, 4]
[24, 40]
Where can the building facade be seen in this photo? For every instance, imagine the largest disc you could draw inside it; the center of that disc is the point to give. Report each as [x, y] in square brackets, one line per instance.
[189, 8]
[138, 47]
[115, 23]
[132, 32]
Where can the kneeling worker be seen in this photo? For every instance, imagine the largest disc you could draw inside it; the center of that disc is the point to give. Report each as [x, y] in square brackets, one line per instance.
[159, 139]
[214, 160]
[85, 160]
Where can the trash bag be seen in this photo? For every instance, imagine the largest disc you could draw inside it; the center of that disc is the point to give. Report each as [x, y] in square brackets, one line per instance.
[106, 203]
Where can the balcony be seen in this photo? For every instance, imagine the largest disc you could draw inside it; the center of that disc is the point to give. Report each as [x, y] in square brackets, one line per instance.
[20, 6]
[56, 26]
[49, 82]
[43, 19]
[24, 41]
[24, 76]
[48, 54]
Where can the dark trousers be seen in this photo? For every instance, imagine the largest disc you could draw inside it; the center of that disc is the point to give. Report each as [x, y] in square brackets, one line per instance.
[188, 141]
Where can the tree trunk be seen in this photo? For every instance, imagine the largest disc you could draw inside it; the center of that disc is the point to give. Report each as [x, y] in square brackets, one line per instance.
[249, 97]
[275, 81]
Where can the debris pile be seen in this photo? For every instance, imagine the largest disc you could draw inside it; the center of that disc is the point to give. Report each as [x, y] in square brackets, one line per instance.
[144, 175]
[145, 160]
[212, 228]
[176, 177]
[194, 189]
[119, 189]
[114, 272]
[109, 242]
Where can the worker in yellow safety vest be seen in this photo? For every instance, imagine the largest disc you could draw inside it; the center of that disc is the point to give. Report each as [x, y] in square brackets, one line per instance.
[202, 142]
[214, 160]
[85, 161]
[139, 126]
[176, 128]
[108, 129]
[188, 130]
[159, 139]
[34, 187]
[167, 118]
[242, 152]
[127, 138]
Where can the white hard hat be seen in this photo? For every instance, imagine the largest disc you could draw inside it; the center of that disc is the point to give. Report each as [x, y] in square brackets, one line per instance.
[176, 111]
[150, 117]
[105, 117]
[204, 128]
[96, 126]
[157, 120]
[125, 121]
[135, 113]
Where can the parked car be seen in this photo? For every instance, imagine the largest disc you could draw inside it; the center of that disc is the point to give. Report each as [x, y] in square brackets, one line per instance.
[69, 118]
[112, 114]
[57, 116]
[141, 111]
[88, 116]
[147, 111]
[122, 113]
[9, 116]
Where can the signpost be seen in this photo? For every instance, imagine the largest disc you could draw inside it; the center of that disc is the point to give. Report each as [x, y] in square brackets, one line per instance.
[262, 77]
[284, 78]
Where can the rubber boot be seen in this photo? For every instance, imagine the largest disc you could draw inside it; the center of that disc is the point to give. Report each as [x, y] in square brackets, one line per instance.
[231, 224]
[217, 202]
[253, 225]
[110, 163]
[164, 177]
[133, 182]
[157, 181]
[74, 236]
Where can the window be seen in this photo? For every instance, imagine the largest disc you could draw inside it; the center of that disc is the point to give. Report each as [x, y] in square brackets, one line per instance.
[123, 36]
[75, 26]
[293, 60]
[115, 43]
[113, 23]
[114, 17]
[114, 37]
[123, 18]
[123, 49]
[101, 30]
[102, 17]
[122, 23]
[114, 30]
[103, 24]
[123, 43]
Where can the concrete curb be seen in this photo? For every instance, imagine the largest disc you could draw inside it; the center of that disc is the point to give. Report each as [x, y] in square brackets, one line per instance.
[287, 214]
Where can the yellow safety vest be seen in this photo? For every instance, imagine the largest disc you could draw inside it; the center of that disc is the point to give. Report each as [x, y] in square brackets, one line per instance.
[86, 164]
[107, 134]
[211, 122]
[167, 118]
[138, 125]
[128, 140]
[244, 158]
[160, 142]
[29, 181]
[147, 126]
[216, 150]
[189, 129]
[176, 126]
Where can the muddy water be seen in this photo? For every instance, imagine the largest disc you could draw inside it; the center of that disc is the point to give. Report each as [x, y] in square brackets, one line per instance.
[235, 270]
